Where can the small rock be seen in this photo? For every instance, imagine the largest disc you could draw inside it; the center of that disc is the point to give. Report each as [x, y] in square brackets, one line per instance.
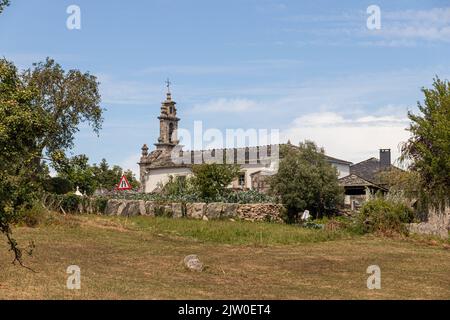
[205, 218]
[193, 263]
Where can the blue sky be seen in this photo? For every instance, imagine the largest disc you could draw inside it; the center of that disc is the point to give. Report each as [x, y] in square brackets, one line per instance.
[311, 69]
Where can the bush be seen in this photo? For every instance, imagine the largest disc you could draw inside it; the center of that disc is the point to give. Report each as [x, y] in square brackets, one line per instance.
[100, 204]
[384, 216]
[176, 187]
[312, 225]
[33, 216]
[210, 180]
[70, 202]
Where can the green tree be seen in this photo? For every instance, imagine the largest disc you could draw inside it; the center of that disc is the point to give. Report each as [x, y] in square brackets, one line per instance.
[108, 177]
[88, 178]
[78, 171]
[69, 98]
[40, 110]
[211, 180]
[3, 4]
[427, 152]
[58, 185]
[21, 124]
[305, 180]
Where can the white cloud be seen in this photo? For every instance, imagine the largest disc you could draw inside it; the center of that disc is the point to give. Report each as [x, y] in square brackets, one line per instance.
[116, 91]
[400, 27]
[243, 67]
[226, 105]
[25, 60]
[190, 69]
[130, 163]
[389, 43]
[403, 28]
[422, 32]
[434, 15]
[350, 138]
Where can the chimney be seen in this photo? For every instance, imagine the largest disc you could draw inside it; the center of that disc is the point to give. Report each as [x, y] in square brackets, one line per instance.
[385, 158]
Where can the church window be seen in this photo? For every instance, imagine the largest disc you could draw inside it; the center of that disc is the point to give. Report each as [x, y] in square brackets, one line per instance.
[170, 132]
[241, 179]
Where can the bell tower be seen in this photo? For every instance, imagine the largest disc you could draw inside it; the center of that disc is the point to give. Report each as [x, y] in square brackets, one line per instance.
[168, 123]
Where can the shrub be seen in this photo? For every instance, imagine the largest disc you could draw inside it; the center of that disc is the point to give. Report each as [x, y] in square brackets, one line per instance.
[384, 216]
[34, 215]
[176, 186]
[100, 204]
[70, 202]
[210, 180]
[312, 225]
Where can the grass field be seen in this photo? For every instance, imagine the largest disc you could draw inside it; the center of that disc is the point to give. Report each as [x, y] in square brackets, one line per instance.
[140, 258]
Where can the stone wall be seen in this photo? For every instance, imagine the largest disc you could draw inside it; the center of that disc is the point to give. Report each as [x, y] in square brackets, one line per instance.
[438, 224]
[205, 211]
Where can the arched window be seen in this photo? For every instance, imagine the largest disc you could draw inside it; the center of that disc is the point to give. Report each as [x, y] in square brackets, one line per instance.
[170, 132]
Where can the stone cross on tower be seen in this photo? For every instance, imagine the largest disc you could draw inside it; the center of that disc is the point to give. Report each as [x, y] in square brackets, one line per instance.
[168, 83]
[168, 123]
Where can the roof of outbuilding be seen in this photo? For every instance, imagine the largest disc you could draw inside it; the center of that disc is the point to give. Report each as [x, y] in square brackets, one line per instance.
[369, 169]
[353, 180]
[366, 169]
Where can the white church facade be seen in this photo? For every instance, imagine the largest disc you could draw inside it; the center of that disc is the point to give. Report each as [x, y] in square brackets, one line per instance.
[168, 159]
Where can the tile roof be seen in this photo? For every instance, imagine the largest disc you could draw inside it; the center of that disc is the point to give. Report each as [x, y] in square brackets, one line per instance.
[369, 169]
[162, 158]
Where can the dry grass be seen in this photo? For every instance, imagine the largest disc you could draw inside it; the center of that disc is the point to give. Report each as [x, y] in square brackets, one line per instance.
[140, 258]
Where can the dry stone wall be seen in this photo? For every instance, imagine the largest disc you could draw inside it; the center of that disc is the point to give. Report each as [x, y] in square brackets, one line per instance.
[438, 224]
[205, 211]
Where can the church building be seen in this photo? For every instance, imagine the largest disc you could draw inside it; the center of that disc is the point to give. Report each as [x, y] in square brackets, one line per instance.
[256, 163]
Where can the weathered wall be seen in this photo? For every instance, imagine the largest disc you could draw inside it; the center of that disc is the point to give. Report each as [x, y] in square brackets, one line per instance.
[215, 210]
[438, 224]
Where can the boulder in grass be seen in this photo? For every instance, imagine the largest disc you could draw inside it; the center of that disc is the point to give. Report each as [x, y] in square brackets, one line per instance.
[193, 263]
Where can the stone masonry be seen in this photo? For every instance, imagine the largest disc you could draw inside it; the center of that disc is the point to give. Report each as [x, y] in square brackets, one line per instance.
[438, 224]
[211, 211]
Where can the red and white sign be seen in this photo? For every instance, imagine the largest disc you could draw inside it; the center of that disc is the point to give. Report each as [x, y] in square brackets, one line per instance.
[123, 184]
